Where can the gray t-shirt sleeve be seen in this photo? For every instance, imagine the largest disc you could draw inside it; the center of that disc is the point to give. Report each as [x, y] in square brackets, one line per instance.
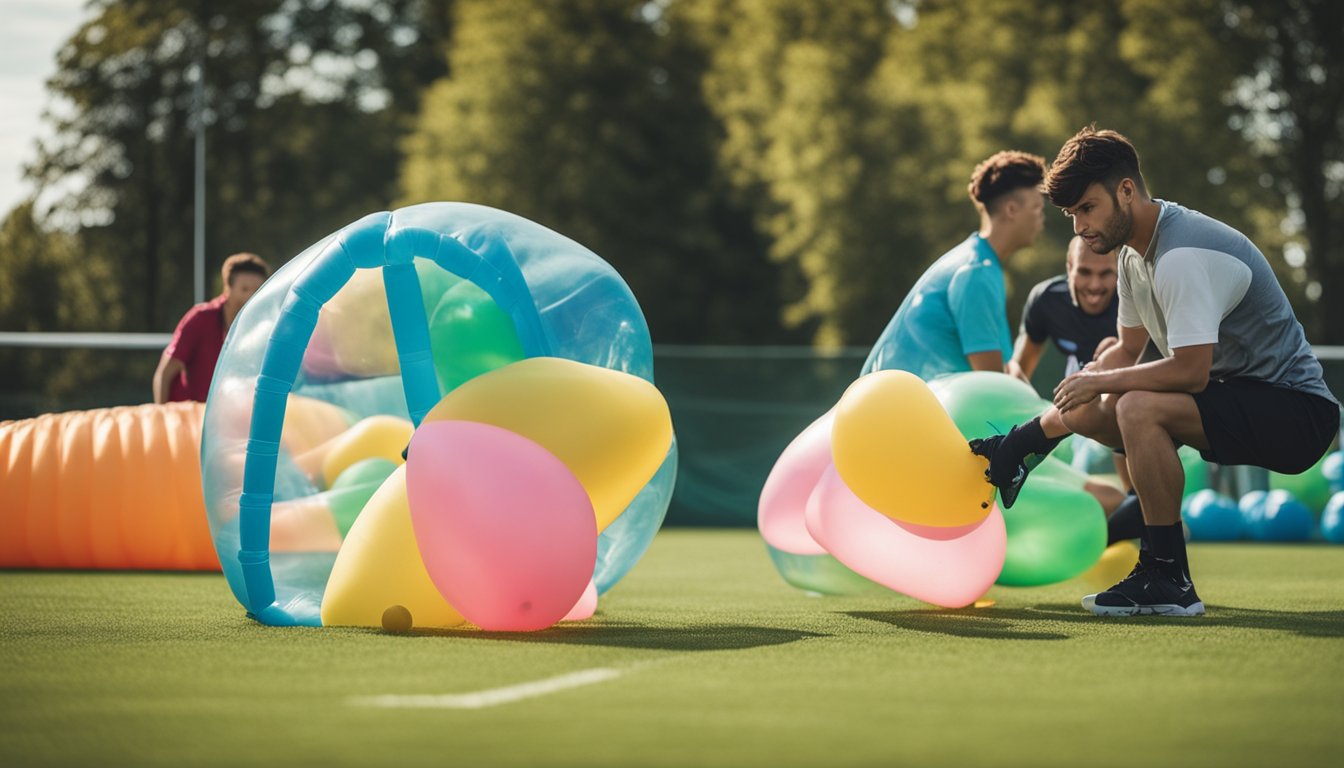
[1196, 288]
[1127, 316]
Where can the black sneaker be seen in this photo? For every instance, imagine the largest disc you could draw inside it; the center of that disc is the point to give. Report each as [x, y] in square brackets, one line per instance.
[1006, 472]
[1148, 589]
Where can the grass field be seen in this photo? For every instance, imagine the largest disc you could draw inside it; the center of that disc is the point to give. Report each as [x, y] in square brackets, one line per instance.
[702, 656]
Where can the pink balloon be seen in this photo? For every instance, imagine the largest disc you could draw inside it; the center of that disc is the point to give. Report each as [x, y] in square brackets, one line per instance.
[505, 529]
[587, 605]
[950, 567]
[319, 360]
[779, 515]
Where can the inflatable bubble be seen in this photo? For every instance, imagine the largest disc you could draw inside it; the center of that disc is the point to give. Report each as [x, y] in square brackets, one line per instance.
[986, 403]
[1332, 519]
[1332, 467]
[824, 539]
[1211, 516]
[1056, 531]
[377, 322]
[1311, 488]
[1284, 519]
[1251, 505]
[897, 447]
[821, 574]
[943, 565]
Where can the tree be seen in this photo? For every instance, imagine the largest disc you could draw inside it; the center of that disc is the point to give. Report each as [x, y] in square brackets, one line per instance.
[585, 116]
[1290, 95]
[290, 90]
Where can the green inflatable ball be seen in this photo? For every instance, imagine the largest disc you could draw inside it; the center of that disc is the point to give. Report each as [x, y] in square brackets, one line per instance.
[821, 574]
[346, 503]
[1064, 451]
[983, 403]
[363, 472]
[435, 281]
[1311, 487]
[1056, 531]
[1196, 470]
[470, 335]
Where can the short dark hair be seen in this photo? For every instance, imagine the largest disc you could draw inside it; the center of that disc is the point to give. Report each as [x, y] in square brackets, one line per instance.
[244, 262]
[1092, 157]
[1002, 173]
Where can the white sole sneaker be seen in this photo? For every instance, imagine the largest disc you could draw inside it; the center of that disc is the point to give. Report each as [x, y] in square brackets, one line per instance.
[1169, 609]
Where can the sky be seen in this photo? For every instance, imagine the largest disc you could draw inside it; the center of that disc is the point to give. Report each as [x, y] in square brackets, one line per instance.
[31, 33]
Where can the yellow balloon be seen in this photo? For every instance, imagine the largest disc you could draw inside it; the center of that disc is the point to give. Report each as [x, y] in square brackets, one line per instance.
[357, 325]
[611, 429]
[310, 422]
[1114, 564]
[381, 437]
[902, 455]
[379, 566]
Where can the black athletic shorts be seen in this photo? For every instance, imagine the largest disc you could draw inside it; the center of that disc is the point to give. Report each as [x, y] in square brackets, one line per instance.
[1253, 422]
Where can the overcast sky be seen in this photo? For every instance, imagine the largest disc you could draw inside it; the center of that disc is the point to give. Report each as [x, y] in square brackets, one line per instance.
[30, 33]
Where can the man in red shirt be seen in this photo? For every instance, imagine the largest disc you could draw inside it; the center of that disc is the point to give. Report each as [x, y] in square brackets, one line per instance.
[188, 363]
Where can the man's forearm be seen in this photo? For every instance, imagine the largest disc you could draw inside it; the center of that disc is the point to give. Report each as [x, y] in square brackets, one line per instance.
[1167, 375]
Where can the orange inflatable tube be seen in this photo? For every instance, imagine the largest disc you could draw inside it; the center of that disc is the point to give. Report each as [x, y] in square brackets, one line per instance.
[118, 488]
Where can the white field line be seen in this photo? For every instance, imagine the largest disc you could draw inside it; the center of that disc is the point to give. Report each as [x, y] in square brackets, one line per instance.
[490, 697]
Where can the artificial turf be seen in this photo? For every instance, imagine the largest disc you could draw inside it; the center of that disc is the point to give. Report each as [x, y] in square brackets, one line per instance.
[719, 663]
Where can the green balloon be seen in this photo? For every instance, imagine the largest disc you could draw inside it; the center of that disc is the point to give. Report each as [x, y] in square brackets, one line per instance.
[346, 504]
[983, 403]
[435, 281]
[1064, 451]
[821, 574]
[1310, 487]
[363, 472]
[1058, 471]
[470, 335]
[1196, 470]
[1056, 531]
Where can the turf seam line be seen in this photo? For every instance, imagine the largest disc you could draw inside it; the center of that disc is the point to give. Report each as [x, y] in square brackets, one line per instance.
[491, 696]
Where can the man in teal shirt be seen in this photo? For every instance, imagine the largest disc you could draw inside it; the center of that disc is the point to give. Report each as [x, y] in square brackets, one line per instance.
[955, 318]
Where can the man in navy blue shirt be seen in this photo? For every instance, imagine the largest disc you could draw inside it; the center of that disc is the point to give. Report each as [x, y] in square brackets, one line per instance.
[1076, 311]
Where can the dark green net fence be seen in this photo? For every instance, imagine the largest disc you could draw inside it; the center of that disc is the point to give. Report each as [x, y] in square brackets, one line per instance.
[734, 408]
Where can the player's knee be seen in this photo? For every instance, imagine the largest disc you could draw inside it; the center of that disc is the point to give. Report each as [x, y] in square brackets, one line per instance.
[1085, 421]
[1135, 409]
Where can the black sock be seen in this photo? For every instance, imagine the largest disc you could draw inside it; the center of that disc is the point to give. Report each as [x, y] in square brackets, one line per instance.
[1168, 542]
[1126, 522]
[1029, 438]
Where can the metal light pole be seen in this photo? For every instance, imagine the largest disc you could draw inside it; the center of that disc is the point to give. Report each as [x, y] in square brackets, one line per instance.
[199, 204]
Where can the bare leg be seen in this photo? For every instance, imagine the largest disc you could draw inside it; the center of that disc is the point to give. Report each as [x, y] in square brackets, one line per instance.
[1149, 422]
[1107, 495]
[1095, 420]
[1122, 469]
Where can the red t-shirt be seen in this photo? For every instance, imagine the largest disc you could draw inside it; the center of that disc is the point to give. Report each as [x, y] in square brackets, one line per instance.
[196, 342]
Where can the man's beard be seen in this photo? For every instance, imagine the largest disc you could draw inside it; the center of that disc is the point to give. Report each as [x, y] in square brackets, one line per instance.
[1116, 231]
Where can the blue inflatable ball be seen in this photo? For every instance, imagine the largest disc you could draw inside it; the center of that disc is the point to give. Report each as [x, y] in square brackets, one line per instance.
[1211, 516]
[1332, 520]
[1333, 469]
[1284, 519]
[1252, 506]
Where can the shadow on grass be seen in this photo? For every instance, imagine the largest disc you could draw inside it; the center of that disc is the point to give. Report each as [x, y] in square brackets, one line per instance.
[1061, 621]
[693, 637]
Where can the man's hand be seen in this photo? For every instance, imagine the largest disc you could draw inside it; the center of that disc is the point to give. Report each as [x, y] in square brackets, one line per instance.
[1014, 369]
[1079, 389]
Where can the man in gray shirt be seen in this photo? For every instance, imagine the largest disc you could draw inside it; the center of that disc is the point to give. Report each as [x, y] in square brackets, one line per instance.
[1235, 379]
